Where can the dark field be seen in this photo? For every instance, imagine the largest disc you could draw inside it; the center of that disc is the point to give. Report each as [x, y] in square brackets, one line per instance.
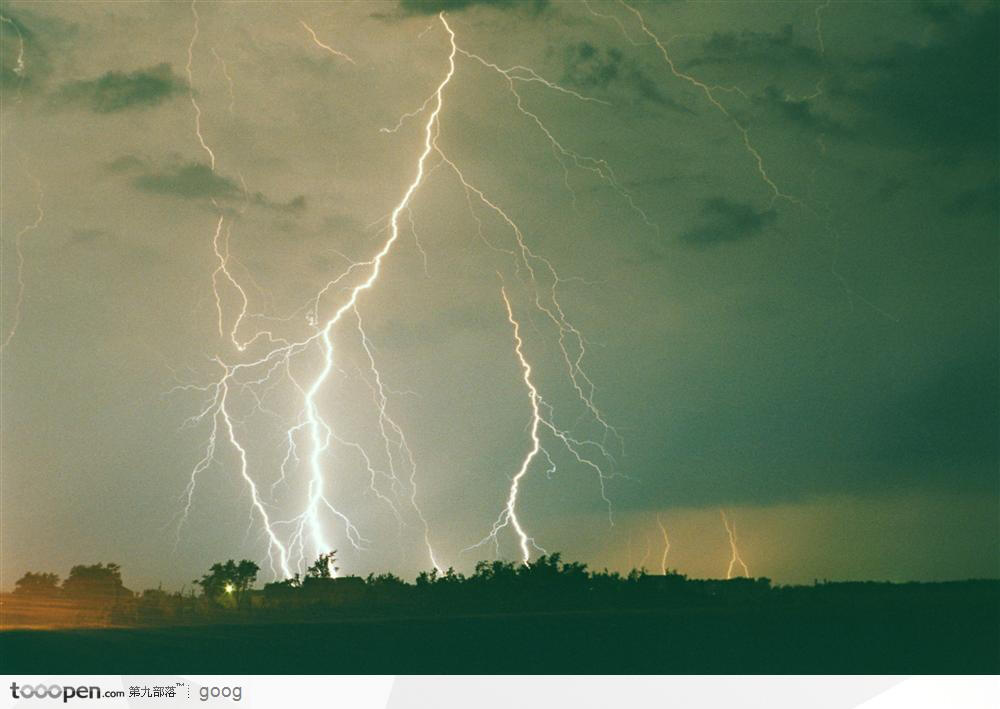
[906, 638]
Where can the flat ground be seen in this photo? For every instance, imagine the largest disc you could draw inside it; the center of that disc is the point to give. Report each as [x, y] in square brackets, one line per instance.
[898, 641]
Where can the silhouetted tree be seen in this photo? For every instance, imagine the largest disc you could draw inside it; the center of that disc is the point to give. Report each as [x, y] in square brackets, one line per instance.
[323, 567]
[229, 580]
[40, 584]
[95, 580]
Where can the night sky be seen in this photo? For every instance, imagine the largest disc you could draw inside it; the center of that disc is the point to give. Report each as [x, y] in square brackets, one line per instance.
[774, 227]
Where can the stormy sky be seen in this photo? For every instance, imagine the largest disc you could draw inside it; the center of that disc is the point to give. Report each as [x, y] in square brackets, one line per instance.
[774, 225]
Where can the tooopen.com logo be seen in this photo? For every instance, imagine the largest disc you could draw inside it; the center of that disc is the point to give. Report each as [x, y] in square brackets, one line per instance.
[55, 691]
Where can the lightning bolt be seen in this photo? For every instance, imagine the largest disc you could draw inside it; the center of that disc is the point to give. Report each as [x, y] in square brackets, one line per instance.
[646, 553]
[708, 92]
[19, 251]
[19, 67]
[387, 425]
[308, 525]
[325, 47]
[666, 545]
[735, 558]
[229, 80]
[509, 514]
[819, 27]
[309, 439]
[190, 74]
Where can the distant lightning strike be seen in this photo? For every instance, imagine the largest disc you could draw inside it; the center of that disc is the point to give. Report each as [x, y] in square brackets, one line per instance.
[735, 558]
[666, 545]
[19, 251]
[309, 439]
[819, 27]
[645, 554]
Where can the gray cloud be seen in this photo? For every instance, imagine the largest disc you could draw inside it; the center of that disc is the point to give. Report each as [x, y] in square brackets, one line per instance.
[775, 50]
[190, 181]
[727, 221]
[939, 96]
[588, 67]
[117, 91]
[799, 112]
[982, 199]
[199, 181]
[432, 7]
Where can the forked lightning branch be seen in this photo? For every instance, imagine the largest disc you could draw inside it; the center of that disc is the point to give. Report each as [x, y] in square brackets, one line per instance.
[339, 310]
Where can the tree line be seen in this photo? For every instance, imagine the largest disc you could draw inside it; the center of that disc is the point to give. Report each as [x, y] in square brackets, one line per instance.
[228, 591]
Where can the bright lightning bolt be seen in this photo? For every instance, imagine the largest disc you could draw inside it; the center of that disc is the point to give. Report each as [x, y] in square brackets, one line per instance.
[309, 440]
[735, 558]
[509, 514]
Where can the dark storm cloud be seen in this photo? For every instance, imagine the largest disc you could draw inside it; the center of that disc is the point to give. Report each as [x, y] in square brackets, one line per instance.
[983, 199]
[199, 181]
[88, 236]
[950, 420]
[775, 50]
[432, 7]
[191, 181]
[117, 91]
[942, 96]
[800, 112]
[588, 67]
[125, 163]
[725, 221]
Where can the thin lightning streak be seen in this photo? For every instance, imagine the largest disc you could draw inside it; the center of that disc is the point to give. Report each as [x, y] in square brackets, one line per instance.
[416, 241]
[708, 92]
[223, 257]
[819, 26]
[646, 553]
[581, 381]
[381, 401]
[595, 166]
[735, 558]
[666, 545]
[743, 130]
[190, 75]
[326, 47]
[229, 80]
[18, 250]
